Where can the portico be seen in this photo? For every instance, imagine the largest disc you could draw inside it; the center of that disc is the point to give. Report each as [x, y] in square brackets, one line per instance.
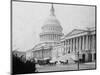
[83, 42]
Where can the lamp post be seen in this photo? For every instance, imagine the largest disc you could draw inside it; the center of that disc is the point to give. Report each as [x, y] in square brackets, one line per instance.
[42, 52]
[78, 59]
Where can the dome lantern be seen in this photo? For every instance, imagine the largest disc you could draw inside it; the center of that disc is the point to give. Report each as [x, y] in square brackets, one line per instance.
[52, 11]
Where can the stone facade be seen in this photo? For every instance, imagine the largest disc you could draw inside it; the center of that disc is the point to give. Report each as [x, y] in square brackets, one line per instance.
[82, 41]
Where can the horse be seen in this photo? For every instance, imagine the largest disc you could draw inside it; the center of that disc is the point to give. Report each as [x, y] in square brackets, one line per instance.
[62, 62]
[52, 63]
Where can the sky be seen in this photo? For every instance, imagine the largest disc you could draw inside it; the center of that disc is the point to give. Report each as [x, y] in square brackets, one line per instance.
[28, 18]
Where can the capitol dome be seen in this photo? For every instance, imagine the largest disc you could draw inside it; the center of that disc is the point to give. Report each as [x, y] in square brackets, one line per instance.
[51, 29]
[51, 20]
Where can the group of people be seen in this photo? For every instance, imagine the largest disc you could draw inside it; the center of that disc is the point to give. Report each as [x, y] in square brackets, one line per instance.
[22, 66]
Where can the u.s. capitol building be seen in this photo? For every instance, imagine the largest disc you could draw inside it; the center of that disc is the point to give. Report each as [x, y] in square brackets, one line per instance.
[54, 44]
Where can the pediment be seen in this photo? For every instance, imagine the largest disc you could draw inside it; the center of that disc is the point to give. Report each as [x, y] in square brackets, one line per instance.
[75, 31]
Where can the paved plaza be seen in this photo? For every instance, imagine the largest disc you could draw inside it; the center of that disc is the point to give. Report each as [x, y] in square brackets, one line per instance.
[60, 67]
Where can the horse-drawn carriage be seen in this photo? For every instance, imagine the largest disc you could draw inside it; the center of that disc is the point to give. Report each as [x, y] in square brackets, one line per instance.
[46, 62]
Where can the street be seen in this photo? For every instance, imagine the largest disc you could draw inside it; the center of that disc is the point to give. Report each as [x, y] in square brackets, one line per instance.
[60, 67]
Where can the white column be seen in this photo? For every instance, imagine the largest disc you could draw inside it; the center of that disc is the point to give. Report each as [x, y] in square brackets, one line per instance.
[73, 44]
[55, 38]
[77, 43]
[66, 46]
[89, 42]
[92, 56]
[52, 36]
[86, 42]
[70, 45]
[93, 42]
[80, 43]
[83, 38]
[49, 37]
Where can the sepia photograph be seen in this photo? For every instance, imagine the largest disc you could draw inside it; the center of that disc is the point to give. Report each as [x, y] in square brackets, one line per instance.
[52, 37]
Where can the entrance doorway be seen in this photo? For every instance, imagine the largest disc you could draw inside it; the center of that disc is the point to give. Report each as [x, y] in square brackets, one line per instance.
[94, 56]
[90, 57]
[83, 58]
